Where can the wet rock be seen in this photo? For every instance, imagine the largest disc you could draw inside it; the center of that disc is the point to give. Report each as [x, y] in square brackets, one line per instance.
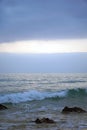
[38, 121]
[2, 107]
[44, 120]
[73, 109]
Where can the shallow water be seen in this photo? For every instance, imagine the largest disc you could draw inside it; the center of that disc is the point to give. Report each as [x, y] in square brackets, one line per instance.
[17, 118]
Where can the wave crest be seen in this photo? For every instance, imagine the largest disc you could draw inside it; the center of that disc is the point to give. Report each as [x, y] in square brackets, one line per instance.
[29, 96]
[38, 95]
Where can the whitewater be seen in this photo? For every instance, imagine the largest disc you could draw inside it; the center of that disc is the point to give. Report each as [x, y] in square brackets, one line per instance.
[31, 96]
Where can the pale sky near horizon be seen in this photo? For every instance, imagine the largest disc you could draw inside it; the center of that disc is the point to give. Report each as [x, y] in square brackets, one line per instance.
[43, 27]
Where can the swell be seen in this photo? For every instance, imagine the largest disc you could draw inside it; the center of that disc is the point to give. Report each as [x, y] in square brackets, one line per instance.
[40, 95]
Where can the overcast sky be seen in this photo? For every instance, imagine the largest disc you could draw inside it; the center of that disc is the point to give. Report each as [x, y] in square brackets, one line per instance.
[42, 19]
[43, 26]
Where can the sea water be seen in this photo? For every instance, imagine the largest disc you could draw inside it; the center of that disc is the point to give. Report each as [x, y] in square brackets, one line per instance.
[31, 96]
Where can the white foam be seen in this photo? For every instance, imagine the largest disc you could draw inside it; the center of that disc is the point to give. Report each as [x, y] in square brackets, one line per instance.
[30, 96]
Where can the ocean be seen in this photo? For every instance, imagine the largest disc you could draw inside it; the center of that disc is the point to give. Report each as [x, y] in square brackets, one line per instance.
[39, 95]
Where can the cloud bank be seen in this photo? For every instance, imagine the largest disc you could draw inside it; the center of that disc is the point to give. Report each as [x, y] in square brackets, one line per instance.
[38, 19]
[49, 46]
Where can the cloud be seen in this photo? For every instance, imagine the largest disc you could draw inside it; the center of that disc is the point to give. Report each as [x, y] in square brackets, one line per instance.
[35, 19]
[43, 46]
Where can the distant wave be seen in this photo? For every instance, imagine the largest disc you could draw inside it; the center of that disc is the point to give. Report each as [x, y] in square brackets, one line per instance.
[37, 95]
[31, 81]
[73, 81]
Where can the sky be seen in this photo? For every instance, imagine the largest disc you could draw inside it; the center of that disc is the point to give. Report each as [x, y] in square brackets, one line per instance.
[43, 36]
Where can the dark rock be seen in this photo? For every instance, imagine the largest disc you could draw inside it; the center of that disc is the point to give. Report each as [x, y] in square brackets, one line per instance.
[2, 107]
[38, 121]
[73, 109]
[44, 120]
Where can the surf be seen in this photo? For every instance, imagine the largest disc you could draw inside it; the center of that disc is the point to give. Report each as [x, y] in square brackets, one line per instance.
[41, 95]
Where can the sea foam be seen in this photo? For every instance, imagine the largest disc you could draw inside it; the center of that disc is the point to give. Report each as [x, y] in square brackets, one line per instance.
[41, 95]
[30, 96]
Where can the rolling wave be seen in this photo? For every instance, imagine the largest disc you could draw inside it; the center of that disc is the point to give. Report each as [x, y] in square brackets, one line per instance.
[38, 95]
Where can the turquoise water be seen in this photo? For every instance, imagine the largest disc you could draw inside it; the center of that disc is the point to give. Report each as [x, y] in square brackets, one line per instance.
[29, 96]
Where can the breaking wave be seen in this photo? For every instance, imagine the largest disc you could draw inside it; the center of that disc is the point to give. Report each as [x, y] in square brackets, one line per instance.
[39, 95]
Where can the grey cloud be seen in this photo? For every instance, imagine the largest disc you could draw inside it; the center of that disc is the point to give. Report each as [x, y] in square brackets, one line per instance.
[38, 19]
